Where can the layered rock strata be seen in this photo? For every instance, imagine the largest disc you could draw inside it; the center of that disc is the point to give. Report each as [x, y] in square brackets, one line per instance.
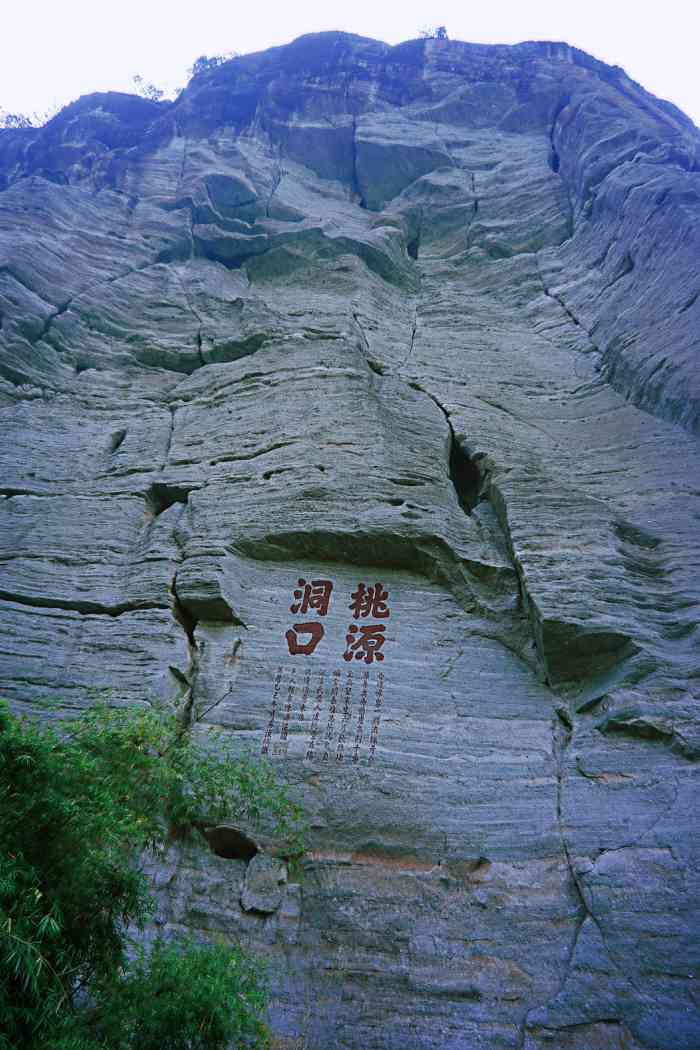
[424, 319]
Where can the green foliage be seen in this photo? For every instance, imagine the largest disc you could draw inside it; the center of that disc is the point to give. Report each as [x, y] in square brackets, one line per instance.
[434, 33]
[77, 808]
[205, 63]
[146, 89]
[15, 120]
[183, 999]
[26, 120]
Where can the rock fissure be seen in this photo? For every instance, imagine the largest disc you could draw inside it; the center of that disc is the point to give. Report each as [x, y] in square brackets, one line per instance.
[562, 734]
[198, 317]
[188, 623]
[363, 335]
[277, 176]
[169, 440]
[411, 344]
[464, 472]
[562, 730]
[200, 355]
[183, 161]
[690, 302]
[85, 607]
[413, 245]
[355, 183]
[50, 320]
[234, 457]
[569, 313]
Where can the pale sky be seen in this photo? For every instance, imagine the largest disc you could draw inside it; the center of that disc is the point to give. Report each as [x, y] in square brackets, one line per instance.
[52, 51]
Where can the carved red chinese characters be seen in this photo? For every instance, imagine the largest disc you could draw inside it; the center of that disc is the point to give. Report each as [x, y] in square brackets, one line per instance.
[310, 597]
[365, 641]
[362, 641]
[315, 595]
[298, 648]
[369, 601]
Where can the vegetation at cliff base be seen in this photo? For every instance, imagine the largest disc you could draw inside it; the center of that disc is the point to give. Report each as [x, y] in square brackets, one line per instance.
[80, 806]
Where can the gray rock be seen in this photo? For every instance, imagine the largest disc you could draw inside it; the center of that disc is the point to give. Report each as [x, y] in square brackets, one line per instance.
[424, 317]
[264, 883]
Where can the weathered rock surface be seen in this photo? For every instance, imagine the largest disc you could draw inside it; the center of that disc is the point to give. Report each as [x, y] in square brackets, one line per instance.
[263, 886]
[424, 315]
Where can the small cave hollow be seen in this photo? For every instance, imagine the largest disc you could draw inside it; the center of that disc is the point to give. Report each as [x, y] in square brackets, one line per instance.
[413, 247]
[229, 842]
[465, 476]
[117, 440]
[161, 496]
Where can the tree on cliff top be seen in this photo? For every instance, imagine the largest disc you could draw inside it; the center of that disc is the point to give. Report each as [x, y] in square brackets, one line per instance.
[205, 63]
[77, 808]
[27, 120]
[434, 33]
[147, 90]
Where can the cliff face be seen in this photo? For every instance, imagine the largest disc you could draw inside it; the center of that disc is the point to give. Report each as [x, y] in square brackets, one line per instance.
[421, 319]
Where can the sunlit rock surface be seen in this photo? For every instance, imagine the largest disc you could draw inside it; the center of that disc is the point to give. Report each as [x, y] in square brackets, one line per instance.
[425, 319]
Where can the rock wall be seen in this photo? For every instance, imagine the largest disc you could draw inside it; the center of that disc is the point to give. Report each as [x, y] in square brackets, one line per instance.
[395, 345]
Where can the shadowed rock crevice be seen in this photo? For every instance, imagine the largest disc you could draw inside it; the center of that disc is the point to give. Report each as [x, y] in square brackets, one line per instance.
[161, 496]
[117, 440]
[224, 353]
[562, 732]
[463, 469]
[355, 179]
[187, 705]
[690, 302]
[61, 309]
[85, 607]
[554, 157]
[185, 618]
[465, 475]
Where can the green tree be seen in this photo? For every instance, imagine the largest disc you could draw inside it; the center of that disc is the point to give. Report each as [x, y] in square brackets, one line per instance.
[434, 33]
[27, 120]
[15, 120]
[79, 807]
[205, 63]
[146, 89]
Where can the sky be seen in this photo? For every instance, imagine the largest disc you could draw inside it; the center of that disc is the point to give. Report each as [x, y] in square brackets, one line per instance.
[53, 51]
